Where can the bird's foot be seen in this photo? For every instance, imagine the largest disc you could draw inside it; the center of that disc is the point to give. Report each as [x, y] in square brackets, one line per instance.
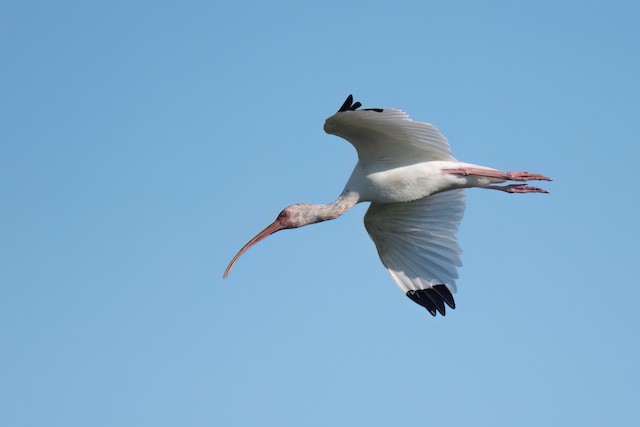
[517, 188]
[525, 176]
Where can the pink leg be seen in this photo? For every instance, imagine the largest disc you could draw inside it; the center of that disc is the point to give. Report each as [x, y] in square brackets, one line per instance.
[507, 176]
[516, 188]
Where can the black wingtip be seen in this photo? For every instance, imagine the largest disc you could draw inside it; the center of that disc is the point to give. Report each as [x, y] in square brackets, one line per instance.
[349, 105]
[433, 299]
[446, 295]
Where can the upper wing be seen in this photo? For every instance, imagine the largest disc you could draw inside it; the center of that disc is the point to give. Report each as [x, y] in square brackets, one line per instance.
[387, 135]
[417, 243]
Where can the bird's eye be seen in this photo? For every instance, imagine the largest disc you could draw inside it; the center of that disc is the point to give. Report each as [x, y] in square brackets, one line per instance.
[284, 214]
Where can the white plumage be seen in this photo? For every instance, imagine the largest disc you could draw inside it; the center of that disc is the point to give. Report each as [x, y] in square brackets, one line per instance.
[415, 185]
[416, 240]
[389, 137]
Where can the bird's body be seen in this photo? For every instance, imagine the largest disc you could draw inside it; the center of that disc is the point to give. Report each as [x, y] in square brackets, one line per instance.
[410, 182]
[415, 185]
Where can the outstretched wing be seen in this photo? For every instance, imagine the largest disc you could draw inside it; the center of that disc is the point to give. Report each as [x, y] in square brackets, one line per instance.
[387, 135]
[417, 243]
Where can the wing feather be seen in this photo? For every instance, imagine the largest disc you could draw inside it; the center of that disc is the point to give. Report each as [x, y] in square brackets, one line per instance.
[417, 241]
[389, 136]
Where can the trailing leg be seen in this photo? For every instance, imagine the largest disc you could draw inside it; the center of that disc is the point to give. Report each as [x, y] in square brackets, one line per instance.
[516, 188]
[505, 176]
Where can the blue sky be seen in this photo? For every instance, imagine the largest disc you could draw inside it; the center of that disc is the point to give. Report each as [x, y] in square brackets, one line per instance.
[143, 143]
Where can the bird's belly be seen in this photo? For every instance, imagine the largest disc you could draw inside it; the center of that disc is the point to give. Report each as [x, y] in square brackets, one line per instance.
[404, 184]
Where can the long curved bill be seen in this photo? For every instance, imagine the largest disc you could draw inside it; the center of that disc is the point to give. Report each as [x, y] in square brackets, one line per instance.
[275, 226]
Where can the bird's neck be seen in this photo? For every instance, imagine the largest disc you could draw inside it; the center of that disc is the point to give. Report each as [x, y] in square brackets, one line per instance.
[336, 208]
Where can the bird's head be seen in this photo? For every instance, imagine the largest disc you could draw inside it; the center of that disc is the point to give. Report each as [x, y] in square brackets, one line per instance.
[293, 216]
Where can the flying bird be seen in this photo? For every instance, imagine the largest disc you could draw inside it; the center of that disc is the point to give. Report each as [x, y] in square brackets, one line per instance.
[416, 188]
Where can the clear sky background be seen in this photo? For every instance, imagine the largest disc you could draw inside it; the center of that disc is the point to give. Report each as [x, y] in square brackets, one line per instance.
[142, 143]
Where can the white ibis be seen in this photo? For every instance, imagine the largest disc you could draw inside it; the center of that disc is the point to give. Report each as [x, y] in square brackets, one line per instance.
[416, 188]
